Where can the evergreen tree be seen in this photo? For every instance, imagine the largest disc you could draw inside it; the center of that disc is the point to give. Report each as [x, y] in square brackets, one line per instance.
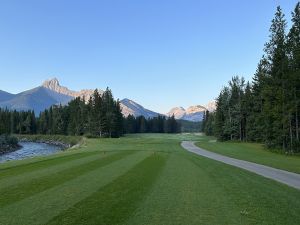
[276, 92]
[293, 44]
[268, 109]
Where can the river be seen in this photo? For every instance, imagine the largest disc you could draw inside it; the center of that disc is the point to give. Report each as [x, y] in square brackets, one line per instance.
[28, 150]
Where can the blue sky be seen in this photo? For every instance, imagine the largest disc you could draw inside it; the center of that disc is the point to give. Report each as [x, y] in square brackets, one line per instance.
[159, 53]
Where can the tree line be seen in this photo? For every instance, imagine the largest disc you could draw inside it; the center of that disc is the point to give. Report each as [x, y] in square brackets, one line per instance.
[159, 124]
[267, 109]
[100, 116]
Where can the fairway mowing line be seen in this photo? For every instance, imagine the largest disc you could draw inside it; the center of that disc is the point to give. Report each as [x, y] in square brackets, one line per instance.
[32, 187]
[115, 202]
[180, 197]
[249, 195]
[47, 160]
[13, 180]
[40, 208]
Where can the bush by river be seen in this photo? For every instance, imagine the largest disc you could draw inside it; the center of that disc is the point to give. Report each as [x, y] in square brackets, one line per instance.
[8, 143]
[60, 140]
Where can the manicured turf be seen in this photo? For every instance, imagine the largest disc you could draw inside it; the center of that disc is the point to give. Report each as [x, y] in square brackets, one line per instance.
[252, 152]
[139, 179]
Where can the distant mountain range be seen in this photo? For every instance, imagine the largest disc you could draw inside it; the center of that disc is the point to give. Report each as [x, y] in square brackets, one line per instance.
[193, 113]
[5, 96]
[37, 99]
[52, 93]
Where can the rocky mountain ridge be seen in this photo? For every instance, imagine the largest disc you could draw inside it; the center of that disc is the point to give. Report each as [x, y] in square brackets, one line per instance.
[52, 93]
[130, 107]
[193, 113]
[54, 85]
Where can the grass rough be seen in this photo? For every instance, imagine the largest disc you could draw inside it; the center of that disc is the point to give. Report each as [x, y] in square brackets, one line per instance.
[252, 152]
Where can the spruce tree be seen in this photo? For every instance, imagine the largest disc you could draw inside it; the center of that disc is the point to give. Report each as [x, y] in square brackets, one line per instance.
[293, 44]
[276, 90]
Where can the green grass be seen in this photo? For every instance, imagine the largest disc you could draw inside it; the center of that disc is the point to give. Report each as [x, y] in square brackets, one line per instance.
[139, 179]
[252, 152]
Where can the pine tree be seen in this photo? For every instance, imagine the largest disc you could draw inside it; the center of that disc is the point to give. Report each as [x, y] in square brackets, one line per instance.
[276, 92]
[293, 44]
[257, 126]
[223, 116]
[118, 128]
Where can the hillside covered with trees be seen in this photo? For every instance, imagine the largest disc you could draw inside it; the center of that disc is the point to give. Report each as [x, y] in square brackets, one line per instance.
[267, 109]
[101, 116]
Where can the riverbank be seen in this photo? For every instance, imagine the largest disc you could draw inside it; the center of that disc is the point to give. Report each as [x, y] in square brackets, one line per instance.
[8, 144]
[30, 150]
[62, 141]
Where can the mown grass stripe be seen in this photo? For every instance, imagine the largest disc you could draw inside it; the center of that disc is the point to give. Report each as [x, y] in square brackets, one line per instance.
[48, 161]
[40, 208]
[256, 196]
[13, 180]
[183, 192]
[31, 187]
[114, 203]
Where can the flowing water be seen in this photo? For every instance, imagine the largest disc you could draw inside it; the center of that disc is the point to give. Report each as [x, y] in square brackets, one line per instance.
[30, 149]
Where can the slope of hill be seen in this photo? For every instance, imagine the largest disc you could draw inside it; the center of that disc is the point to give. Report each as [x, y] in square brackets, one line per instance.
[5, 96]
[37, 99]
[130, 107]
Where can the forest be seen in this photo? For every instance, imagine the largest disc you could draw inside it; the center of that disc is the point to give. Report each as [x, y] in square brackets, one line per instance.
[265, 110]
[100, 116]
[159, 124]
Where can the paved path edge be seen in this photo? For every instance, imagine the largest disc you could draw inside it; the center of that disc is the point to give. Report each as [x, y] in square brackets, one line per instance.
[282, 176]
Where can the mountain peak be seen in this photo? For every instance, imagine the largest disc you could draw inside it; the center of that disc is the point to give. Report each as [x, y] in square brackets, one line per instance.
[193, 113]
[195, 109]
[178, 112]
[51, 83]
[54, 85]
[180, 108]
[211, 106]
